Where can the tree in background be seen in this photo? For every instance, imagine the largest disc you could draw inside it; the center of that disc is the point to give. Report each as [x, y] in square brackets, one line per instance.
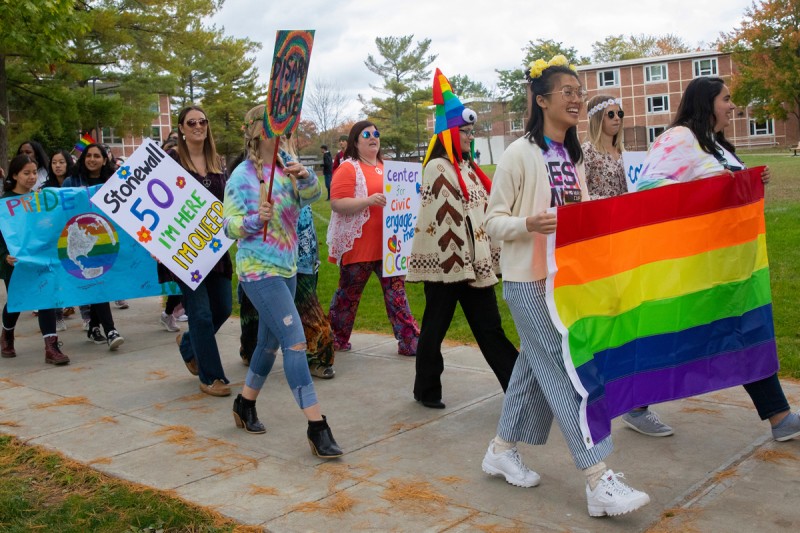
[403, 67]
[766, 49]
[619, 47]
[325, 105]
[465, 87]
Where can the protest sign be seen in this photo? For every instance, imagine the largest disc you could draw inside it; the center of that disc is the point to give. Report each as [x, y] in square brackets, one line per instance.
[402, 182]
[68, 253]
[287, 82]
[632, 163]
[166, 210]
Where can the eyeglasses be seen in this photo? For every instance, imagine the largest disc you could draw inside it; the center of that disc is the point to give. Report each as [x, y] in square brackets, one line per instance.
[365, 134]
[468, 133]
[570, 92]
[620, 114]
[192, 122]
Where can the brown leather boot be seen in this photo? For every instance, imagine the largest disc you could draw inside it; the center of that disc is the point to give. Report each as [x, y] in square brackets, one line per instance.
[7, 343]
[53, 353]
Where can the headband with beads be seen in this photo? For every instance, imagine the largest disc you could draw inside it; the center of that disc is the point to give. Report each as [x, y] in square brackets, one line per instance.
[602, 105]
[535, 68]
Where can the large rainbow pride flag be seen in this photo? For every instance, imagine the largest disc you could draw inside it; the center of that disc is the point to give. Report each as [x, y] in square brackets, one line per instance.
[662, 294]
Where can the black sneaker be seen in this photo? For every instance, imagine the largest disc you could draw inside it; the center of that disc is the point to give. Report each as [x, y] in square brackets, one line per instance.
[95, 336]
[115, 340]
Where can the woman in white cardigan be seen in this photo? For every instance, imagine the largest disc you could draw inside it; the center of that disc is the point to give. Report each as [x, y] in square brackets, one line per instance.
[541, 170]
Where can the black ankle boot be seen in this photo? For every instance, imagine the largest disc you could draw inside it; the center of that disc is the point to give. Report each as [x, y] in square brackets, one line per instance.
[321, 440]
[244, 414]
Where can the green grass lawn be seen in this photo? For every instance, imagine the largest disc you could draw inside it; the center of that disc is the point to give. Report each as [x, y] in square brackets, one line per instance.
[783, 235]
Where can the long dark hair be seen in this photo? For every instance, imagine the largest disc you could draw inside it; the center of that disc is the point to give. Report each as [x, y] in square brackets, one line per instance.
[209, 147]
[534, 131]
[439, 150]
[696, 112]
[38, 151]
[82, 173]
[15, 167]
[52, 180]
[352, 138]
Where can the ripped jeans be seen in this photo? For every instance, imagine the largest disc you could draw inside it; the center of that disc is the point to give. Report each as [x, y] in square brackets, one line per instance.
[279, 325]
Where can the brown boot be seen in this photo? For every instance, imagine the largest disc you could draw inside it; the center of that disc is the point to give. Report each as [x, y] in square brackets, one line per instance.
[52, 351]
[7, 343]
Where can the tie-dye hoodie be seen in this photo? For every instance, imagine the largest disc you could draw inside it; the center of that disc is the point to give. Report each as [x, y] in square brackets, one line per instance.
[257, 258]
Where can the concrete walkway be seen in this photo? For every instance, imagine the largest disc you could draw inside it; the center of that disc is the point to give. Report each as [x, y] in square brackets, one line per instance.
[138, 414]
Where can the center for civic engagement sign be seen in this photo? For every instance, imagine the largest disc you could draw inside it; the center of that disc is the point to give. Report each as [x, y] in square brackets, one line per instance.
[160, 205]
[401, 182]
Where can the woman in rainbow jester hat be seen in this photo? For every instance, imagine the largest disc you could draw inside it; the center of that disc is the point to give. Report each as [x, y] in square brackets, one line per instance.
[451, 252]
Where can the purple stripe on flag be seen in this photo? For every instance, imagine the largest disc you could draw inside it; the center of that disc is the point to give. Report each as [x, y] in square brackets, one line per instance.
[691, 379]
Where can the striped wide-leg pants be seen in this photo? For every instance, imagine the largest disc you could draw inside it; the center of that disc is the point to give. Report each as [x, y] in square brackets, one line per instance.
[540, 387]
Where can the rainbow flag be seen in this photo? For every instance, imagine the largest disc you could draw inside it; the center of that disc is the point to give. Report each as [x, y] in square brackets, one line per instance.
[84, 141]
[662, 294]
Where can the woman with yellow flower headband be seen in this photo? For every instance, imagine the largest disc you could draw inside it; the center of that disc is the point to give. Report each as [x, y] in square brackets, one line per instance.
[544, 169]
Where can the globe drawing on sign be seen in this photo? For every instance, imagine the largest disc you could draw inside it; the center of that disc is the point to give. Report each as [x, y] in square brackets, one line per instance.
[88, 246]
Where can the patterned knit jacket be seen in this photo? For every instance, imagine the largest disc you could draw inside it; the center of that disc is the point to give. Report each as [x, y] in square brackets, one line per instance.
[450, 243]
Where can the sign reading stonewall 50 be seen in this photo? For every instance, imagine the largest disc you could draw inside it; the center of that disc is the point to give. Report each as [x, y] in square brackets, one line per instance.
[402, 182]
[167, 211]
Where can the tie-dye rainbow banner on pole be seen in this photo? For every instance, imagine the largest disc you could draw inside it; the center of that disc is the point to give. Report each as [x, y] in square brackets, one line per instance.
[662, 294]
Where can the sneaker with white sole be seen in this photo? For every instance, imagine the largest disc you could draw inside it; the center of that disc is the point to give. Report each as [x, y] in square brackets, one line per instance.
[509, 465]
[121, 304]
[183, 317]
[788, 428]
[647, 423]
[168, 322]
[95, 336]
[612, 497]
[61, 325]
[115, 340]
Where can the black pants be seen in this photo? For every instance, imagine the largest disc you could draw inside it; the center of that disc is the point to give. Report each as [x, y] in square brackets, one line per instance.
[100, 315]
[47, 318]
[480, 309]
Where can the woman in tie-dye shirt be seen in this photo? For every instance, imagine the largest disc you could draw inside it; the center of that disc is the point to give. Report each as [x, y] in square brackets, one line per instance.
[266, 263]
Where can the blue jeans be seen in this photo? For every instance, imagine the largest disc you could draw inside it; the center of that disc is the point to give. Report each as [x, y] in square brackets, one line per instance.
[208, 307]
[279, 325]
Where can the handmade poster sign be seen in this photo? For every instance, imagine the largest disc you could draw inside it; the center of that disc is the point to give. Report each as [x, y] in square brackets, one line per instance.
[69, 253]
[632, 163]
[402, 182]
[167, 211]
[662, 294]
[287, 82]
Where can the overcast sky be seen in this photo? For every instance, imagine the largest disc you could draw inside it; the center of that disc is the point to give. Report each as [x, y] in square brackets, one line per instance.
[470, 37]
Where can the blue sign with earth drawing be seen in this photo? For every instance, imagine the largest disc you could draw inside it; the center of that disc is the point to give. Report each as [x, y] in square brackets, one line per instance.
[69, 253]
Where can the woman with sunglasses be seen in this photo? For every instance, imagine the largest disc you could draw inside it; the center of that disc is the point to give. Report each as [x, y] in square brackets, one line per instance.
[695, 147]
[354, 241]
[209, 304]
[544, 169]
[454, 195]
[602, 152]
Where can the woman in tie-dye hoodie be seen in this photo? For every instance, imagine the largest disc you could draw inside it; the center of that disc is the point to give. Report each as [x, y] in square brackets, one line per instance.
[266, 264]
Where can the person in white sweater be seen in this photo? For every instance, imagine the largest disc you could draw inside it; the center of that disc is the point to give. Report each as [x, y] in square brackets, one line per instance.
[542, 170]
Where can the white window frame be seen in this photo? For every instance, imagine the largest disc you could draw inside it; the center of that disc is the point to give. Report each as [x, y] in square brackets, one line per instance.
[767, 127]
[602, 83]
[652, 135]
[712, 70]
[648, 74]
[651, 108]
[516, 124]
[112, 137]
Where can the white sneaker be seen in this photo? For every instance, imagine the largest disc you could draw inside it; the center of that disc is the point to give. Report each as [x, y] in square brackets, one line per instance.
[182, 318]
[612, 497]
[61, 325]
[85, 324]
[509, 465]
[121, 304]
[168, 322]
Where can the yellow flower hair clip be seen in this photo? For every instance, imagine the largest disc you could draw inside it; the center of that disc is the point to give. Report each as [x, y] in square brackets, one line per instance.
[535, 68]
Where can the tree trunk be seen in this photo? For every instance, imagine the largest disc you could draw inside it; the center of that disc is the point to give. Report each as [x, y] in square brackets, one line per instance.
[4, 114]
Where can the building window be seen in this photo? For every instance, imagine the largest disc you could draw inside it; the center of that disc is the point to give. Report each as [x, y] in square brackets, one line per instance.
[608, 78]
[654, 73]
[154, 107]
[705, 67]
[653, 132]
[658, 104]
[516, 124]
[765, 127]
[110, 137]
[155, 133]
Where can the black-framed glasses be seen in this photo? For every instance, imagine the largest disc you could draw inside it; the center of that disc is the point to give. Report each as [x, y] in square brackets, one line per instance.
[620, 114]
[568, 93]
[200, 122]
[468, 133]
[365, 134]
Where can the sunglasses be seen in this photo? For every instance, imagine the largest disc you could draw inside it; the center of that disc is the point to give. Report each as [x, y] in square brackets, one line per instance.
[620, 114]
[192, 122]
[365, 134]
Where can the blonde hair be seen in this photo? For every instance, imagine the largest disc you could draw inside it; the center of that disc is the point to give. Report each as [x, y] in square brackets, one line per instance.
[595, 130]
[213, 165]
[253, 136]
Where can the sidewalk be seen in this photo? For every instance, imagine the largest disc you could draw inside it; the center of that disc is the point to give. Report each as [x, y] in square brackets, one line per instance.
[138, 414]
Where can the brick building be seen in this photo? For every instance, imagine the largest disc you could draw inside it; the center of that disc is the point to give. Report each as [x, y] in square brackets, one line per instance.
[159, 130]
[651, 90]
